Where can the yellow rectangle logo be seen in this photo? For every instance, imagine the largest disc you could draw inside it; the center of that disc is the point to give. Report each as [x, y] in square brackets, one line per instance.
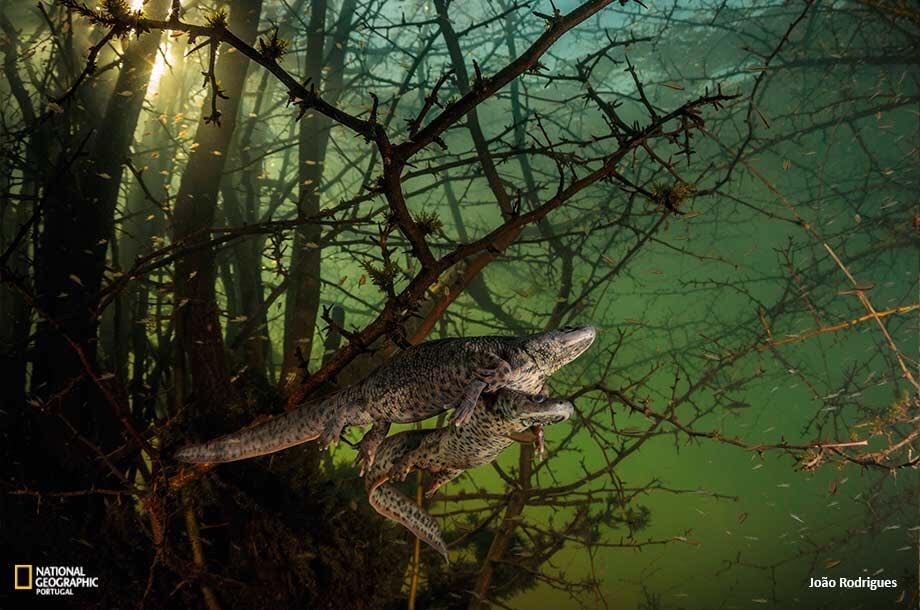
[22, 574]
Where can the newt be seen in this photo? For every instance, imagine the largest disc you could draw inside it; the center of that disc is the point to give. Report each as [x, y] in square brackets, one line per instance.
[447, 452]
[419, 382]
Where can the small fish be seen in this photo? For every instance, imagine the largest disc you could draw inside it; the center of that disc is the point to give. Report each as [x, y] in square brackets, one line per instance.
[832, 563]
[742, 517]
[797, 518]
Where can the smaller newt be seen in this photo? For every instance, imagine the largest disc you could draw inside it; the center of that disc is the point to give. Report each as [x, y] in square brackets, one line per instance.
[496, 423]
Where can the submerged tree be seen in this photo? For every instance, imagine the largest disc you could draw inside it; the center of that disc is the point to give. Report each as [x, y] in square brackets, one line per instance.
[374, 174]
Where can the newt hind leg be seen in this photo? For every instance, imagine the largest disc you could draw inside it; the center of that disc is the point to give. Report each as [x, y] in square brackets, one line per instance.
[367, 451]
[415, 455]
[332, 432]
[440, 478]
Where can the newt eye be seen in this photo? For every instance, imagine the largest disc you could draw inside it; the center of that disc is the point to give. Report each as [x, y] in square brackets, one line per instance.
[538, 398]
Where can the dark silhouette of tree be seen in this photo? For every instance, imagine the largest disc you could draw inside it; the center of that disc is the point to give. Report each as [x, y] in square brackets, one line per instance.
[198, 326]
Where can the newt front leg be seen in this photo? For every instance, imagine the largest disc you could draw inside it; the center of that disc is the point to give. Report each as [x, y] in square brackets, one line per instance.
[489, 379]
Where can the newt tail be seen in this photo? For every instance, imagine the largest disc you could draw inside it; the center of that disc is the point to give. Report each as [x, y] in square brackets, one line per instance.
[396, 506]
[309, 422]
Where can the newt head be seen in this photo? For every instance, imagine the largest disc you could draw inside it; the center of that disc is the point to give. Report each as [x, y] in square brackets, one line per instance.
[520, 412]
[550, 411]
[550, 351]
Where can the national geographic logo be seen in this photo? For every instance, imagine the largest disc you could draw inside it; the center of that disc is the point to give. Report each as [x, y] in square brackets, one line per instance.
[22, 577]
[52, 580]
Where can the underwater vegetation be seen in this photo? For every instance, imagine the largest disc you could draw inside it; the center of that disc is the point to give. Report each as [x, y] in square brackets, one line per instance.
[212, 213]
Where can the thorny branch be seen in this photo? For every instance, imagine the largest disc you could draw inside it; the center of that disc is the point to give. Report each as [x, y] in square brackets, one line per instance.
[637, 147]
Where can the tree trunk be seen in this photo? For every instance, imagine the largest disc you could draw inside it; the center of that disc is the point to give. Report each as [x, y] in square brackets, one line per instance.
[241, 199]
[104, 172]
[78, 217]
[302, 303]
[14, 312]
[145, 219]
[505, 534]
[198, 326]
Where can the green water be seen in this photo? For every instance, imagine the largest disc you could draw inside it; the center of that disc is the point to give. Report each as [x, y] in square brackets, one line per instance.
[769, 309]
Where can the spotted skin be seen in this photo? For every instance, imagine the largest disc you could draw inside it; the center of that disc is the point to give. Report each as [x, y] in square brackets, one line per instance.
[418, 383]
[447, 452]
[277, 433]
